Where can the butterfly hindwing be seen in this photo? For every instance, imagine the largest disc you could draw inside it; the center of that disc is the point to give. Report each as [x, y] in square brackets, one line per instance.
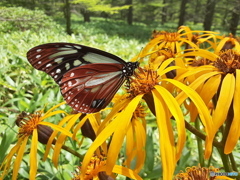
[91, 87]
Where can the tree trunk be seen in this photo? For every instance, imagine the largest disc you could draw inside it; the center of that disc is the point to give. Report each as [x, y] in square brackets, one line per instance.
[209, 14]
[130, 12]
[67, 15]
[235, 18]
[164, 13]
[86, 15]
[182, 12]
[196, 16]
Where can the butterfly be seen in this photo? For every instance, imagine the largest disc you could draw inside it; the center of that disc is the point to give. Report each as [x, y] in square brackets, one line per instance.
[88, 77]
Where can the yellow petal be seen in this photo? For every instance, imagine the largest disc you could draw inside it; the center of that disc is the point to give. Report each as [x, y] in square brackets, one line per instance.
[234, 131]
[201, 52]
[114, 112]
[119, 121]
[164, 65]
[33, 155]
[79, 125]
[224, 101]
[71, 120]
[140, 144]
[58, 128]
[175, 110]
[19, 158]
[8, 159]
[166, 140]
[122, 121]
[130, 145]
[54, 107]
[207, 90]
[203, 113]
[49, 114]
[221, 44]
[194, 71]
[126, 172]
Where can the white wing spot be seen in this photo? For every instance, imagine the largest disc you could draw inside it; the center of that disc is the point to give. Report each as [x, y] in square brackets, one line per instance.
[67, 66]
[55, 76]
[76, 105]
[78, 47]
[38, 56]
[68, 97]
[77, 62]
[72, 74]
[68, 46]
[38, 50]
[52, 73]
[75, 99]
[58, 71]
[61, 53]
[96, 58]
[58, 60]
[49, 65]
[39, 62]
[69, 83]
[94, 103]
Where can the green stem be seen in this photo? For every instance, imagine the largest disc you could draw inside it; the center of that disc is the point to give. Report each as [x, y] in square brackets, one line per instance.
[200, 146]
[225, 160]
[201, 135]
[233, 162]
[75, 153]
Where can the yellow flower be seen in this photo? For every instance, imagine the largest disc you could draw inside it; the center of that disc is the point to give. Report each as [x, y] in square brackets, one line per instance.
[175, 40]
[30, 126]
[200, 173]
[96, 169]
[152, 86]
[217, 83]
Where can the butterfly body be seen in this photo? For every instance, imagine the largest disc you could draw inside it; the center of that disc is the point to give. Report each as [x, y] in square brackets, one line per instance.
[88, 77]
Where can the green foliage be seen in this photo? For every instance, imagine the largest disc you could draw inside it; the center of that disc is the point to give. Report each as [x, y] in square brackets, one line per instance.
[21, 19]
[99, 6]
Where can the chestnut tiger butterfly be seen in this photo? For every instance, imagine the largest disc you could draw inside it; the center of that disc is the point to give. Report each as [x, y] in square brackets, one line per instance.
[88, 77]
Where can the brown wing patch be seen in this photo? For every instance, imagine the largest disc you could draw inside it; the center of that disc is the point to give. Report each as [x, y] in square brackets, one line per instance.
[91, 87]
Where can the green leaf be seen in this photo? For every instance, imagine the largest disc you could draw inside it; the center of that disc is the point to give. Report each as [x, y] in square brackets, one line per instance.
[7, 138]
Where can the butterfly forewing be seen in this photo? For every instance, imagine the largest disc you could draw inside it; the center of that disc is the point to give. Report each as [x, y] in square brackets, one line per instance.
[88, 77]
[58, 58]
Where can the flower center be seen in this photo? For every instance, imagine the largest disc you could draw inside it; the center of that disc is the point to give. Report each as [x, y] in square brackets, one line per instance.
[143, 82]
[27, 123]
[228, 61]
